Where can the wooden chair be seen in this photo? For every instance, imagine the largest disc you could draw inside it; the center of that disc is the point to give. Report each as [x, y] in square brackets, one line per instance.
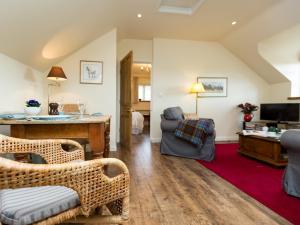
[73, 108]
[86, 178]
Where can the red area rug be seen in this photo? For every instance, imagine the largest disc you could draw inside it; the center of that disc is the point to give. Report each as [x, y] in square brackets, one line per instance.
[257, 179]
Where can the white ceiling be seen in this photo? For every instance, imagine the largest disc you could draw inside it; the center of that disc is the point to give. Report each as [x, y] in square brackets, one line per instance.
[40, 33]
[282, 48]
[187, 7]
[244, 41]
[283, 52]
[180, 3]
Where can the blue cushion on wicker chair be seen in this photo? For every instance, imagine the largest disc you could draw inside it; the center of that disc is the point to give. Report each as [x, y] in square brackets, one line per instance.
[24, 206]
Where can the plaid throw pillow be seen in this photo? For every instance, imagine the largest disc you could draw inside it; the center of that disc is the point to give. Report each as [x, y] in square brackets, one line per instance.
[193, 131]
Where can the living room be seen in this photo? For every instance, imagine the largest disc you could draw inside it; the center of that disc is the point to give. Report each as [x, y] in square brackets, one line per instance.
[251, 47]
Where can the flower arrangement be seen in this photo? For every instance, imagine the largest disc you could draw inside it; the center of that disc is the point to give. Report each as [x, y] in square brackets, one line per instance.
[33, 107]
[248, 108]
[33, 103]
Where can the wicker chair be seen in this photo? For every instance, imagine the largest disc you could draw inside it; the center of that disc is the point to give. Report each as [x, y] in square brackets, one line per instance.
[87, 178]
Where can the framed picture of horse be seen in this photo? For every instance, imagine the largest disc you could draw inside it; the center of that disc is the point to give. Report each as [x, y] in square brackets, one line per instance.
[91, 72]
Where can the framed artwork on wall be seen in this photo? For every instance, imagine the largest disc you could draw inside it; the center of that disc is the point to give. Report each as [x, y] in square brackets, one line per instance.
[91, 72]
[214, 86]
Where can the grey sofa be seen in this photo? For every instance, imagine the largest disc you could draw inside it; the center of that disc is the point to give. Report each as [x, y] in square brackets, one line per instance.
[290, 140]
[171, 145]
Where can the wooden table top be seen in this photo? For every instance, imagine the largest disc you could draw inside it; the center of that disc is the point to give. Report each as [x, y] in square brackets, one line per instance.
[73, 120]
[271, 139]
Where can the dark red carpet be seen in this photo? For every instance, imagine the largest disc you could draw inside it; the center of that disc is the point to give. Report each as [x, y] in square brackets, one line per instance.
[257, 179]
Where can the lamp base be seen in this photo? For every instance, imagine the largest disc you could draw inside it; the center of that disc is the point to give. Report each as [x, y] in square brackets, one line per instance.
[197, 104]
[53, 109]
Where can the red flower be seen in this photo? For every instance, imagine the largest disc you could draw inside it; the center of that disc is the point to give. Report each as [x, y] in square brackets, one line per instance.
[248, 108]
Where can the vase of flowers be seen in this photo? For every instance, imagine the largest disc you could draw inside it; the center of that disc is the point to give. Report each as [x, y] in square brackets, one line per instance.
[33, 107]
[248, 110]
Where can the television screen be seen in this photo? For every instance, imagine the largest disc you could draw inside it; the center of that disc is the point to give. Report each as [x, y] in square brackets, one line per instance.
[280, 112]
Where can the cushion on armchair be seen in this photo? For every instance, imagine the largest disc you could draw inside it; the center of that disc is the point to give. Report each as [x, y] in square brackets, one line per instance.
[193, 131]
[24, 206]
[173, 113]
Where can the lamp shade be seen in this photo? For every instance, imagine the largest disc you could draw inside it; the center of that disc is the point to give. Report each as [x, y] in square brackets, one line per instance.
[197, 88]
[56, 73]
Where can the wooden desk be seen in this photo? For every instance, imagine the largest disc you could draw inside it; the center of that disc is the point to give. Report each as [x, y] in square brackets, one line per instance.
[262, 148]
[95, 129]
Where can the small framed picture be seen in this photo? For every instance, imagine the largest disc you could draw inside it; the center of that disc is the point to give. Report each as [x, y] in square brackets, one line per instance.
[91, 72]
[213, 86]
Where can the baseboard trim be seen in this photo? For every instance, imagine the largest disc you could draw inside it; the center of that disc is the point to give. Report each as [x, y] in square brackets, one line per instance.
[155, 140]
[113, 147]
[229, 138]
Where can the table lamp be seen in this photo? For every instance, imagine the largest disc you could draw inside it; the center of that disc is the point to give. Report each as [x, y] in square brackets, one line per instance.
[56, 74]
[196, 89]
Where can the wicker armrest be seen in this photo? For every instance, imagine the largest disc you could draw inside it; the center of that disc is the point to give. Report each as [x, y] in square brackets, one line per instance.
[115, 162]
[86, 178]
[50, 150]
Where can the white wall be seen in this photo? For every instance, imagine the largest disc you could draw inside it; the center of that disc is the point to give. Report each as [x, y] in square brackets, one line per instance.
[142, 52]
[98, 98]
[280, 92]
[19, 83]
[142, 49]
[176, 65]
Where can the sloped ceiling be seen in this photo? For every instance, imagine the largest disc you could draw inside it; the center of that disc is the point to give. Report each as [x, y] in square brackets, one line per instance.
[41, 33]
[282, 48]
[282, 51]
[244, 41]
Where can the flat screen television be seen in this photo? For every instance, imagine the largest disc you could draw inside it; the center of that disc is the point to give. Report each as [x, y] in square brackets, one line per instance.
[285, 112]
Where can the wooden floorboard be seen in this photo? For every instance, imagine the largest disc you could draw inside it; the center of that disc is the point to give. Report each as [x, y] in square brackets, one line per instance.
[169, 190]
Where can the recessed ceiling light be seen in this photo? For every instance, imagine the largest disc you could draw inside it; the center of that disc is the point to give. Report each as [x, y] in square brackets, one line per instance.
[139, 15]
[234, 23]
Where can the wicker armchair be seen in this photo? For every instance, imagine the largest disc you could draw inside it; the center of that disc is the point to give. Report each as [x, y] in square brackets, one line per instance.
[87, 178]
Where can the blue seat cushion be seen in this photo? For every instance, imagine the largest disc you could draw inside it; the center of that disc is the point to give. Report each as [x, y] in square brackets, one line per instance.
[24, 206]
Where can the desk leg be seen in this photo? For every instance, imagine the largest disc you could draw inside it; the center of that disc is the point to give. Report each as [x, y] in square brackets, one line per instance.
[107, 139]
[96, 139]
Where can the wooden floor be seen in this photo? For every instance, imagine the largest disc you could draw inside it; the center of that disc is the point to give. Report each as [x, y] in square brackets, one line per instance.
[175, 191]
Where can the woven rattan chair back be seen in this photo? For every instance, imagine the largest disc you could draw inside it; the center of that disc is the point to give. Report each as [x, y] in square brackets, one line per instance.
[87, 178]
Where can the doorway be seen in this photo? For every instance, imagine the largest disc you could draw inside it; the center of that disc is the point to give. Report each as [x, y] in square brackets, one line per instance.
[135, 99]
[141, 98]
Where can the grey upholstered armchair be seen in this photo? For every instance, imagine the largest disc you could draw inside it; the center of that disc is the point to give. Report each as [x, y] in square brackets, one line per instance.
[290, 140]
[171, 145]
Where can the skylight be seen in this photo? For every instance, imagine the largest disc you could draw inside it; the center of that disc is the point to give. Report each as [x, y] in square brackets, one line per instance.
[187, 7]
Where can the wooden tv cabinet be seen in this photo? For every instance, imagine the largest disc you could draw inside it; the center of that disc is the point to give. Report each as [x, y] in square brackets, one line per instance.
[265, 149]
